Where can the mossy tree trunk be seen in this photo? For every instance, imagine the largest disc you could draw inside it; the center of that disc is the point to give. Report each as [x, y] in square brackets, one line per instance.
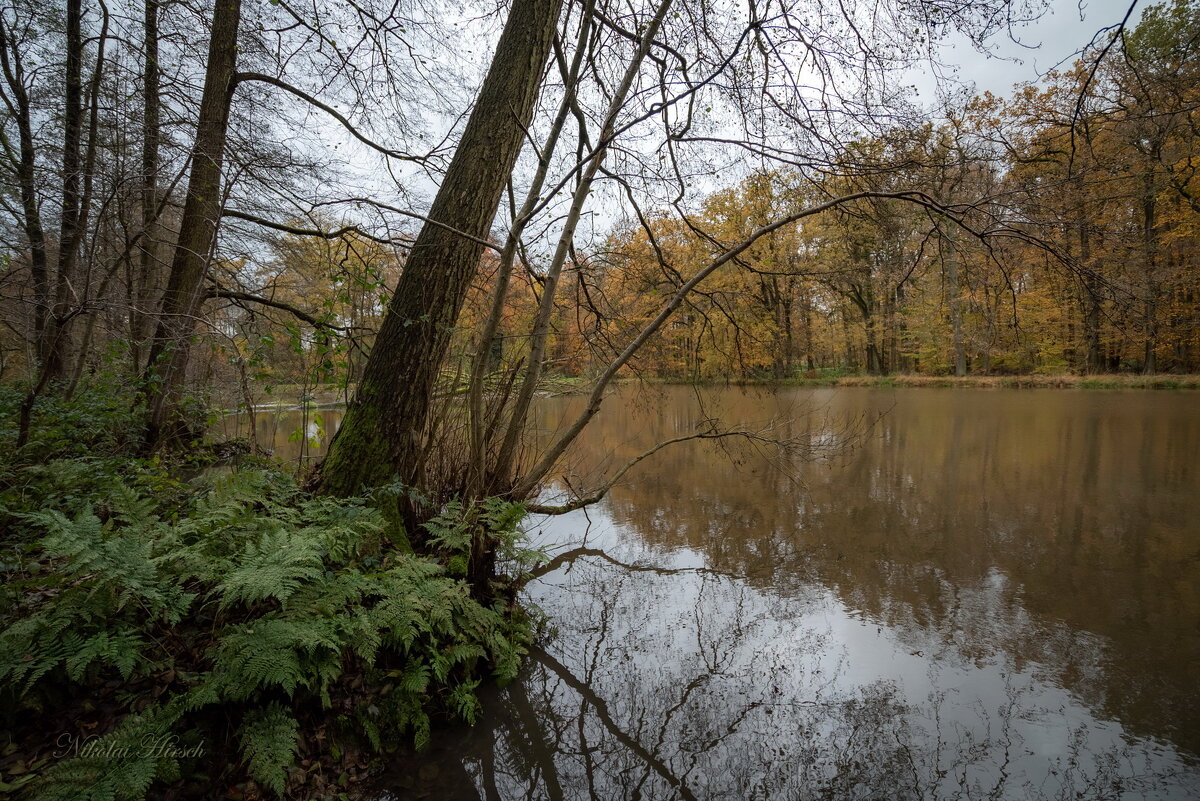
[383, 434]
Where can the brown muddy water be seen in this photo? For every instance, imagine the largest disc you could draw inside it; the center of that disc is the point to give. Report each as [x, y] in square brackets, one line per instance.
[978, 594]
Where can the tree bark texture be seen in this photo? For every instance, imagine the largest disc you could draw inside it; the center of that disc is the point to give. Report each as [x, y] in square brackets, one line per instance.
[142, 289]
[57, 337]
[169, 351]
[383, 433]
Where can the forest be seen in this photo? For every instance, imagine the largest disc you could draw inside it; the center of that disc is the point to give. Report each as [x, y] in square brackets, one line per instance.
[439, 214]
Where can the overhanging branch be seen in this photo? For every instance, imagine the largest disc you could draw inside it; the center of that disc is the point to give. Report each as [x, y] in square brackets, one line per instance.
[314, 232]
[298, 313]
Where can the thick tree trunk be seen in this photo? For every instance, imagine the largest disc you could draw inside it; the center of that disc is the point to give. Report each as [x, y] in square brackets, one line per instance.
[1150, 249]
[870, 324]
[197, 233]
[383, 433]
[1091, 301]
[806, 311]
[82, 220]
[874, 361]
[894, 361]
[784, 320]
[851, 356]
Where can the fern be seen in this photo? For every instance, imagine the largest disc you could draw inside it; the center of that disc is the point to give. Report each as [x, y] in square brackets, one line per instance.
[464, 702]
[280, 597]
[273, 567]
[120, 648]
[414, 679]
[118, 767]
[268, 653]
[451, 530]
[269, 743]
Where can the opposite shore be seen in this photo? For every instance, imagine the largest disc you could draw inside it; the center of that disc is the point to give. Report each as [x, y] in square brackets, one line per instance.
[283, 397]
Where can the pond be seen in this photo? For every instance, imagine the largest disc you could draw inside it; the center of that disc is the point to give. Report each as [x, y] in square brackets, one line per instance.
[972, 594]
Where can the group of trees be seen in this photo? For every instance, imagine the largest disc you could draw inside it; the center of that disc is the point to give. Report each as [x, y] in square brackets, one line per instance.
[1090, 267]
[690, 189]
[1070, 243]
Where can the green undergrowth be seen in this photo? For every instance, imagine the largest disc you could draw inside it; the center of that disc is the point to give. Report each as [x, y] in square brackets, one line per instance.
[229, 635]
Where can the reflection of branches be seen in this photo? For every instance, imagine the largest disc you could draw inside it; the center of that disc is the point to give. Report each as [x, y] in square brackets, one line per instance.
[770, 440]
[606, 718]
[539, 749]
[761, 437]
[568, 557]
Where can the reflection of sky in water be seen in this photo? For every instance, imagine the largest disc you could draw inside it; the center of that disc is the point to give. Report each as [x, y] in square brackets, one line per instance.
[740, 693]
[994, 595]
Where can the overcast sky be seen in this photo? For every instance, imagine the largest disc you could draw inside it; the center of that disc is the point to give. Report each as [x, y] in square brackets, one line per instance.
[1044, 44]
[1053, 40]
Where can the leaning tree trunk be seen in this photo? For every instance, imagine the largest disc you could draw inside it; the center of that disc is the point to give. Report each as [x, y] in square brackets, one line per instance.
[383, 432]
[197, 233]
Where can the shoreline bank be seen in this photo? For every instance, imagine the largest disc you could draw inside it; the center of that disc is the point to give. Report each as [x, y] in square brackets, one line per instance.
[1114, 381]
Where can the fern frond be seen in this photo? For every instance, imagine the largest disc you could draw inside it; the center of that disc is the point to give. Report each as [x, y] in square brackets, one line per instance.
[273, 567]
[463, 701]
[121, 649]
[120, 766]
[269, 744]
[266, 653]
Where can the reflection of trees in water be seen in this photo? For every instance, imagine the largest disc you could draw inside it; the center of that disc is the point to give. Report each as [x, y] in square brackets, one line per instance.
[1049, 541]
[1053, 530]
[689, 685]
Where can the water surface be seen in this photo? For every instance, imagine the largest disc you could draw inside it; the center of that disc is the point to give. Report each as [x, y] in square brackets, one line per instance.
[979, 594]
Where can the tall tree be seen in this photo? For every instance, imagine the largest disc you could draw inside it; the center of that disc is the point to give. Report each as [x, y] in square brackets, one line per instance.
[197, 233]
[13, 40]
[384, 430]
[141, 282]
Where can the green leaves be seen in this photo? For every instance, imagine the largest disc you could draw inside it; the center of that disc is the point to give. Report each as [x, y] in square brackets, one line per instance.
[120, 648]
[121, 766]
[273, 567]
[268, 737]
[255, 598]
